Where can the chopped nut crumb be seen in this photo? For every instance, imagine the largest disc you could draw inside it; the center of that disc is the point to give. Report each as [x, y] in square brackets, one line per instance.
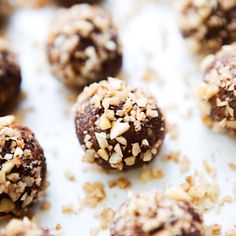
[226, 199]
[106, 216]
[215, 229]
[148, 175]
[207, 167]
[46, 206]
[95, 194]
[70, 176]
[151, 74]
[232, 166]
[177, 193]
[201, 191]
[184, 164]
[173, 131]
[121, 183]
[172, 156]
[68, 209]
[58, 227]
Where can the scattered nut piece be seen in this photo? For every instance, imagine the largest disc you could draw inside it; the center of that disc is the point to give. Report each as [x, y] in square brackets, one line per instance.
[45, 206]
[215, 229]
[148, 175]
[184, 164]
[106, 216]
[172, 156]
[177, 193]
[121, 183]
[207, 167]
[68, 209]
[70, 176]
[95, 194]
[232, 166]
[173, 131]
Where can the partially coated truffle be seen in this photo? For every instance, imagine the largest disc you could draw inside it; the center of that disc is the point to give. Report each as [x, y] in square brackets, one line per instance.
[22, 168]
[208, 24]
[83, 46]
[218, 91]
[120, 127]
[10, 76]
[153, 214]
[23, 228]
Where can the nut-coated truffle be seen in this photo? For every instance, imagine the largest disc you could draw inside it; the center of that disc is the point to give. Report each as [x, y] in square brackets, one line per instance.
[22, 168]
[120, 127]
[208, 24]
[218, 91]
[153, 214]
[83, 46]
[23, 227]
[10, 76]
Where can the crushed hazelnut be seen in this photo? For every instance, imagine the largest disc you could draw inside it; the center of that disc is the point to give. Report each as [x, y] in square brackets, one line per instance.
[215, 229]
[68, 209]
[95, 194]
[106, 216]
[45, 206]
[121, 183]
[148, 175]
[70, 176]
[172, 156]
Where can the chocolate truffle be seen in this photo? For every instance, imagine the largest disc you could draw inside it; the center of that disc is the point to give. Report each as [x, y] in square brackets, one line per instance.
[83, 46]
[208, 24]
[10, 76]
[22, 168]
[23, 228]
[153, 214]
[120, 127]
[218, 91]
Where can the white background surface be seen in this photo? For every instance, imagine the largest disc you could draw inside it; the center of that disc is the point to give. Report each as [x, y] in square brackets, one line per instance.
[150, 36]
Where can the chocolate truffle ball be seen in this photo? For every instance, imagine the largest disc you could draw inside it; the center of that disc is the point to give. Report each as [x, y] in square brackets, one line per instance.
[83, 46]
[208, 24]
[153, 214]
[22, 168]
[23, 228]
[218, 92]
[10, 76]
[120, 127]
